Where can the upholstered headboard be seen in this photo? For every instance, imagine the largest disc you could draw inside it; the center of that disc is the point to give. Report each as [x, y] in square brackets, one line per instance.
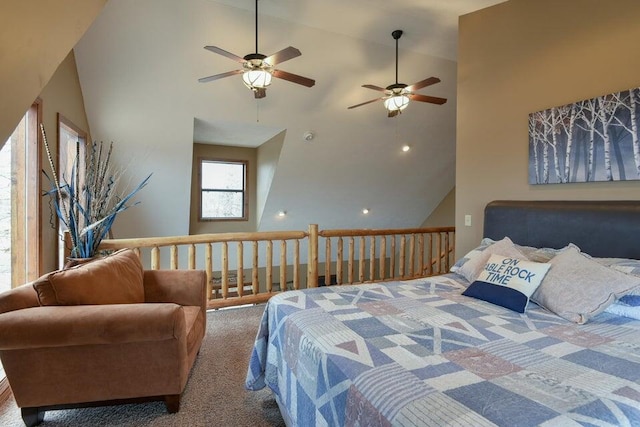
[599, 228]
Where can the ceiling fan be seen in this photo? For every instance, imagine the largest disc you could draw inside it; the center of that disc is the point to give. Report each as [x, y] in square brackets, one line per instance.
[258, 69]
[396, 96]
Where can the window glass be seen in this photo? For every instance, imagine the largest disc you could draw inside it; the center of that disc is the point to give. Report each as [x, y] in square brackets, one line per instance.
[222, 190]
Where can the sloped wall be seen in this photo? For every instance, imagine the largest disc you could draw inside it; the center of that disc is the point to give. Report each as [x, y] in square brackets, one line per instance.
[61, 95]
[35, 37]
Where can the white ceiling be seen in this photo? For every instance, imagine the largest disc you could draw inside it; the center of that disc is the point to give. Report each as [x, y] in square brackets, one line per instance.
[430, 26]
[140, 61]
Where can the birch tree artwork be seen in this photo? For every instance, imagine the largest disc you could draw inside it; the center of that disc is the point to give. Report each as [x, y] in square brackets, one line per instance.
[591, 140]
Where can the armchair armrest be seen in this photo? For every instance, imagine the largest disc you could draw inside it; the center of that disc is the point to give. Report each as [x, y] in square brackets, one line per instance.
[184, 287]
[61, 326]
[24, 296]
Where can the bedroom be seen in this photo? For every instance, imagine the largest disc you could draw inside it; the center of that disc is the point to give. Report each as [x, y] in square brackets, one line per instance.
[504, 72]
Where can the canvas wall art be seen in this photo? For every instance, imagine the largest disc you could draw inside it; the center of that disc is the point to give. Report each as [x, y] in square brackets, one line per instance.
[591, 140]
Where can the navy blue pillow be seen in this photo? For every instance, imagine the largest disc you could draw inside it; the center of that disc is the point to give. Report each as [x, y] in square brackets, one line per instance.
[508, 282]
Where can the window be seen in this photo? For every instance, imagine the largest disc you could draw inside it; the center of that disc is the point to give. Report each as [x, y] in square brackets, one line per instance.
[223, 190]
[20, 243]
[71, 143]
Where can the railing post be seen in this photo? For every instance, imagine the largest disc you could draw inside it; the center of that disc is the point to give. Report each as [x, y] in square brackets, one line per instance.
[312, 262]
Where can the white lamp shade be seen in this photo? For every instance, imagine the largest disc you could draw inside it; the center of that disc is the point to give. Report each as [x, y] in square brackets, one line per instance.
[397, 102]
[257, 78]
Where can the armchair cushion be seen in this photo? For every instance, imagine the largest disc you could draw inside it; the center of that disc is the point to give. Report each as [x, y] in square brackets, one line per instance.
[115, 279]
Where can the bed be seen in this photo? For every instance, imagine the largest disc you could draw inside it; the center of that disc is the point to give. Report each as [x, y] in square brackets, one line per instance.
[420, 353]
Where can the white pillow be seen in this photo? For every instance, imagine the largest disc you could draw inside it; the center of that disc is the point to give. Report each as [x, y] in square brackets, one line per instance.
[577, 287]
[508, 282]
[474, 265]
[484, 244]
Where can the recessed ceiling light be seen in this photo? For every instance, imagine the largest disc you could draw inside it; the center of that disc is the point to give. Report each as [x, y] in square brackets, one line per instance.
[365, 211]
[406, 148]
[282, 213]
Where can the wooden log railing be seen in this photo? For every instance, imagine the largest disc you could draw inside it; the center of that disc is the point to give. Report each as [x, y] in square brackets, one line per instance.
[430, 251]
[275, 265]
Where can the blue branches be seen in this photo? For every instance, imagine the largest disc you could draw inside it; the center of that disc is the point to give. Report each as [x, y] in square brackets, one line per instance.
[88, 202]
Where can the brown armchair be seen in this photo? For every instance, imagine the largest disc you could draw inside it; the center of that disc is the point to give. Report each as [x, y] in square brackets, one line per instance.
[102, 333]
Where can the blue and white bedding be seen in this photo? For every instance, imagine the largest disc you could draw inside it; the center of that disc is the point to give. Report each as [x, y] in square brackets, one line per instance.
[418, 353]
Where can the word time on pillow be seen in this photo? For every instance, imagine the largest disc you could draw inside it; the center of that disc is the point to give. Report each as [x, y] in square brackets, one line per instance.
[508, 282]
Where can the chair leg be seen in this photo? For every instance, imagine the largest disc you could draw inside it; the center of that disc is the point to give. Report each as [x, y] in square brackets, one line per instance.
[172, 402]
[32, 416]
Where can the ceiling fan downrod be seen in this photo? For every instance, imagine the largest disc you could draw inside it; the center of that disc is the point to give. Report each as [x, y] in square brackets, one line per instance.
[396, 35]
[256, 26]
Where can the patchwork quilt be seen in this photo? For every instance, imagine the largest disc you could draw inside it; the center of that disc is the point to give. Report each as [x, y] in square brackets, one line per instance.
[418, 353]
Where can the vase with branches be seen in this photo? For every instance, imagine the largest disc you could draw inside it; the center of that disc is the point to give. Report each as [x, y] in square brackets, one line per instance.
[88, 198]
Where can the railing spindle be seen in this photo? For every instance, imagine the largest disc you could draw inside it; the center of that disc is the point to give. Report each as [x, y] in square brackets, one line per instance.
[421, 253]
[191, 263]
[412, 254]
[403, 244]
[296, 265]
[372, 258]
[351, 258]
[155, 258]
[339, 262]
[392, 262]
[174, 257]
[240, 270]
[283, 265]
[225, 270]
[361, 260]
[269, 266]
[255, 286]
[383, 258]
[327, 261]
[208, 266]
[439, 252]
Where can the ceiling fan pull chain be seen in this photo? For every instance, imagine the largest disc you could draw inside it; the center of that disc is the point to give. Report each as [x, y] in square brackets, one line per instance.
[257, 111]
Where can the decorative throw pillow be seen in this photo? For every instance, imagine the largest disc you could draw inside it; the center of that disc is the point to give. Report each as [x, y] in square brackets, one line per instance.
[577, 287]
[115, 279]
[474, 265]
[508, 282]
[629, 266]
[473, 253]
[625, 310]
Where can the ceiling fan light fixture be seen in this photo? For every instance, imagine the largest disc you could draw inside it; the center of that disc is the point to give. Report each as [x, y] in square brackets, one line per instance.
[396, 102]
[256, 79]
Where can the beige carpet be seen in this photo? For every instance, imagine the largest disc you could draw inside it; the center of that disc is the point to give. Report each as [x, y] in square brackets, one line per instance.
[214, 396]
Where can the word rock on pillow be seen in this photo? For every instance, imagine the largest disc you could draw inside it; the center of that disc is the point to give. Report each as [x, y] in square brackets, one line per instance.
[508, 282]
[474, 265]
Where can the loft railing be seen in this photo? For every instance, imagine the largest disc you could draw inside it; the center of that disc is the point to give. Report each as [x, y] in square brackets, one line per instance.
[248, 268]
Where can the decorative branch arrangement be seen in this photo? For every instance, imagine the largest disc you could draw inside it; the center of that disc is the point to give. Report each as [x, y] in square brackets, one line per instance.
[592, 140]
[87, 202]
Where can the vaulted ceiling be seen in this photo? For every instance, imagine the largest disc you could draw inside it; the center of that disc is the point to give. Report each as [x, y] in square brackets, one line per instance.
[139, 66]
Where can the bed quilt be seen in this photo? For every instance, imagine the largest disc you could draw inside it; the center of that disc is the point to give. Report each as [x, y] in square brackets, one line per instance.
[418, 353]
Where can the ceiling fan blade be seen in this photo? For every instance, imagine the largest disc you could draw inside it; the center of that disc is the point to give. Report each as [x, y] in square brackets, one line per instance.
[364, 103]
[260, 92]
[294, 78]
[426, 98]
[378, 88]
[283, 55]
[219, 76]
[424, 83]
[216, 49]
[393, 113]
